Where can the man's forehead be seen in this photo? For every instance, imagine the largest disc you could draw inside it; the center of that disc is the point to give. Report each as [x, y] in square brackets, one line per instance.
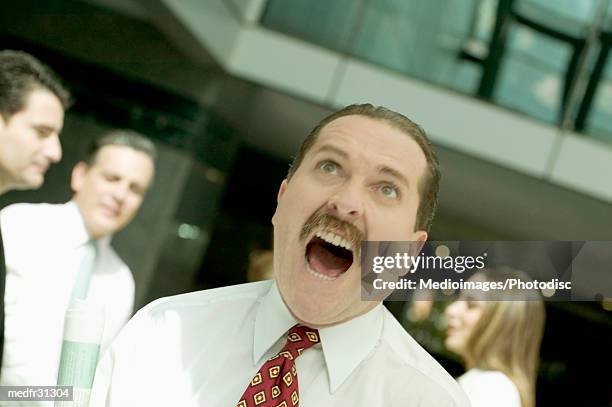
[137, 169]
[365, 128]
[374, 135]
[43, 108]
[125, 158]
[117, 151]
[41, 96]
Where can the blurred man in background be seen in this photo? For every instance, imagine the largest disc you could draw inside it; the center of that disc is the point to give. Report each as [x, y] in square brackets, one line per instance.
[56, 254]
[32, 104]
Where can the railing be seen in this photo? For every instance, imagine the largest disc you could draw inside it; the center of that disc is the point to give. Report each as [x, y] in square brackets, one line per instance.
[546, 60]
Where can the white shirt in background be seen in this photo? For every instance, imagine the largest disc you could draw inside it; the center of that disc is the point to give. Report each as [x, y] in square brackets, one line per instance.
[203, 349]
[44, 246]
[486, 388]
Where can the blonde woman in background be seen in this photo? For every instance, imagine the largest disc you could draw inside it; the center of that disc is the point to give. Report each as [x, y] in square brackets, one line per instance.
[498, 335]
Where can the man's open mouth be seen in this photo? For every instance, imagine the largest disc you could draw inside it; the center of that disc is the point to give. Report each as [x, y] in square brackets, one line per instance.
[328, 255]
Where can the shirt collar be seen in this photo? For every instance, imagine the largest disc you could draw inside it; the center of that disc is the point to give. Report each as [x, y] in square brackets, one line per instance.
[272, 321]
[344, 345]
[75, 231]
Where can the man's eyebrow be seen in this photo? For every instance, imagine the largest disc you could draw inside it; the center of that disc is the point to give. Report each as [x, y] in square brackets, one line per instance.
[395, 174]
[332, 149]
[44, 127]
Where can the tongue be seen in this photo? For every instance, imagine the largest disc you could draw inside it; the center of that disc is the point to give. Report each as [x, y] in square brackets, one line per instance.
[324, 262]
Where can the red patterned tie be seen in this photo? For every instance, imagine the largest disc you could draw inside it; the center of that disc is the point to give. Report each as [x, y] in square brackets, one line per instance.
[276, 382]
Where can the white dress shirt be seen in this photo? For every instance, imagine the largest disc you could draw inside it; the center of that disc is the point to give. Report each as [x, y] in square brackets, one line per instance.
[203, 348]
[44, 246]
[487, 388]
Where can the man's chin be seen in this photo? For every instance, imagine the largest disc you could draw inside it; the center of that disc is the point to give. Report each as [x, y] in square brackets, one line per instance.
[314, 315]
[324, 315]
[314, 322]
[32, 182]
[102, 226]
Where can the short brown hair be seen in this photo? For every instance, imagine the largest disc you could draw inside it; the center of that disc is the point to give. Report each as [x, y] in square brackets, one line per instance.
[124, 138]
[431, 180]
[21, 73]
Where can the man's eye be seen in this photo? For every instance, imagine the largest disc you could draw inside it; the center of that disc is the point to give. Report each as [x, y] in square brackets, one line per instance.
[137, 190]
[389, 191]
[329, 167]
[42, 133]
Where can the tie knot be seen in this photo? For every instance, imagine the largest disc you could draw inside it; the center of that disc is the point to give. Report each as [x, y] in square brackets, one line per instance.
[299, 338]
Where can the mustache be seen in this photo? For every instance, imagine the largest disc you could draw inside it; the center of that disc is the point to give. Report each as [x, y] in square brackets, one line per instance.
[321, 220]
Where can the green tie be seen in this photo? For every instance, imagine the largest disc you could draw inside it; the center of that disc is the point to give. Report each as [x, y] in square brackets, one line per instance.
[88, 265]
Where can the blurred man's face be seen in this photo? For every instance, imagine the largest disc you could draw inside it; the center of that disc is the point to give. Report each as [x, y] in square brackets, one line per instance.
[29, 141]
[110, 191]
[359, 181]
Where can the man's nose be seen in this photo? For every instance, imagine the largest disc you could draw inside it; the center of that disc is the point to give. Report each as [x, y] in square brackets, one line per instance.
[120, 191]
[347, 202]
[53, 148]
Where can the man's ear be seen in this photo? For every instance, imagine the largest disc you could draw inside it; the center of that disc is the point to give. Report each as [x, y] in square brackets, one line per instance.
[78, 176]
[281, 190]
[419, 237]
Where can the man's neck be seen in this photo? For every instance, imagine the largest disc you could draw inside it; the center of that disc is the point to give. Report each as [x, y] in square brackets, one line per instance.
[92, 235]
[4, 184]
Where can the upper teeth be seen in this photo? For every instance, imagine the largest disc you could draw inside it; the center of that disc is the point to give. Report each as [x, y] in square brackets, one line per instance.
[334, 239]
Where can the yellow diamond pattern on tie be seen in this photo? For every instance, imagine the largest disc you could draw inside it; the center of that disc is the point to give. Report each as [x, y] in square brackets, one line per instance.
[276, 382]
[294, 398]
[273, 372]
[286, 354]
[259, 398]
[288, 379]
[256, 380]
